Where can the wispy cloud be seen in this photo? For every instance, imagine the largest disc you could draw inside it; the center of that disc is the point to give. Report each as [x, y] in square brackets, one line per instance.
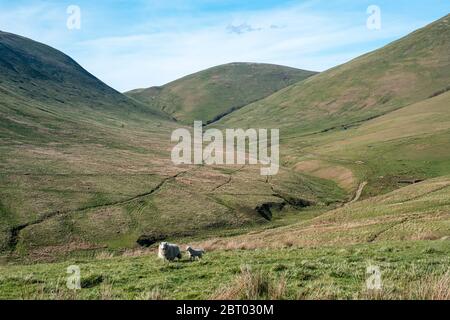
[242, 28]
[306, 40]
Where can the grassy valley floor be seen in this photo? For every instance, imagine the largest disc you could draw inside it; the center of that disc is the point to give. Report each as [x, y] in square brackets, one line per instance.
[314, 255]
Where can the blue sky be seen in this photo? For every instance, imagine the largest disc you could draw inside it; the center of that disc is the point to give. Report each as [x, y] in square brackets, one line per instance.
[140, 43]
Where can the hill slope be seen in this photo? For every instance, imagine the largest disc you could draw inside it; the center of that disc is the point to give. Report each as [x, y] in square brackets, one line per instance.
[402, 147]
[319, 117]
[212, 93]
[382, 118]
[405, 71]
[83, 166]
[404, 233]
[41, 88]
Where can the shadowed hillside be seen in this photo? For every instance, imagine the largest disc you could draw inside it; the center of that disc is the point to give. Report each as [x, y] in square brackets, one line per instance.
[44, 93]
[210, 94]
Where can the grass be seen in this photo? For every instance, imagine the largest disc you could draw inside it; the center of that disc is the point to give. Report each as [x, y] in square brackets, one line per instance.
[291, 273]
[324, 256]
[416, 212]
[406, 145]
[338, 118]
[81, 180]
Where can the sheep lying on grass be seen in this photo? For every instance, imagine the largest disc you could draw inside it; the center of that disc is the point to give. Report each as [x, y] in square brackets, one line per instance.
[195, 253]
[168, 251]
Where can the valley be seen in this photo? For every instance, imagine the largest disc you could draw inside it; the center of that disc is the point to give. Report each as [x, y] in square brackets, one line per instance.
[86, 178]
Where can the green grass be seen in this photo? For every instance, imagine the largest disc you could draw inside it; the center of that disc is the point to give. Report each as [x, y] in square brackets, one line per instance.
[316, 255]
[383, 116]
[84, 178]
[328, 272]
[79, 162]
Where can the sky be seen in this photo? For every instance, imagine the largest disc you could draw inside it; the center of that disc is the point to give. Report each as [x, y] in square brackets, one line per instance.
[132, 44]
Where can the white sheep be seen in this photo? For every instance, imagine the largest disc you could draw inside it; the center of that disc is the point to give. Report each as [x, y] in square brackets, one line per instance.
[168, 251]
[195, 253]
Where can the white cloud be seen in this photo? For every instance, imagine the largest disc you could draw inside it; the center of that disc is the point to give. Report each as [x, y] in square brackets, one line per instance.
[156, 58]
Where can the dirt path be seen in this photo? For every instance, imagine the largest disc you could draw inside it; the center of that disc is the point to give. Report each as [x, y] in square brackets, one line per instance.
[358, 192]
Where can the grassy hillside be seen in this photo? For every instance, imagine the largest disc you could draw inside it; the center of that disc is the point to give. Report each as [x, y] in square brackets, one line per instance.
[404, 233]
[391, 151]
[83, 166]
[342, 125]
[404, 72]
[213, 93]
[416, 212]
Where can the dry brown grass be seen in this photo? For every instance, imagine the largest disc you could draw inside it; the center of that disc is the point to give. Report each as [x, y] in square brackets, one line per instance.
[106, 291]
[104, 255]
[154, 294]
[253, 285]
[432, 287]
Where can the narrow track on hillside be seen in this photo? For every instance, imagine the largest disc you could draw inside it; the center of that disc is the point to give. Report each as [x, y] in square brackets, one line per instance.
[428, 193]
[15, 231]
[359, 192]
[375, 236]
[230, 177]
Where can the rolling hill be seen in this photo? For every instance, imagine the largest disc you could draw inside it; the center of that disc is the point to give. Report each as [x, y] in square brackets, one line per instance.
[406, 71]
[365, 151]
[334, 108]
[210, 94]
[83, 166]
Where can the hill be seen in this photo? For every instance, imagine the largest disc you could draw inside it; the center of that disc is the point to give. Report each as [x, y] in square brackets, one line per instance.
[364, 180]
[42, 88]
[391, 151]
[83, 166]
[406, 71]
[404, 234]
[210, 94]
[321, 118]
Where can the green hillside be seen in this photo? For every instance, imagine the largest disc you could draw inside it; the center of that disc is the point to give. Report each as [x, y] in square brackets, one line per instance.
[364, 179]
[45, 95]
[400, 148]
[408, 70]
[342, 125]
[404, 233]
[210, 94]
[83, 166]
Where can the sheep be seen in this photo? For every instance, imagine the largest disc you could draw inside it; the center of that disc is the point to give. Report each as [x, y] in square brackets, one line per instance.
[168, 251]
[195, 253]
